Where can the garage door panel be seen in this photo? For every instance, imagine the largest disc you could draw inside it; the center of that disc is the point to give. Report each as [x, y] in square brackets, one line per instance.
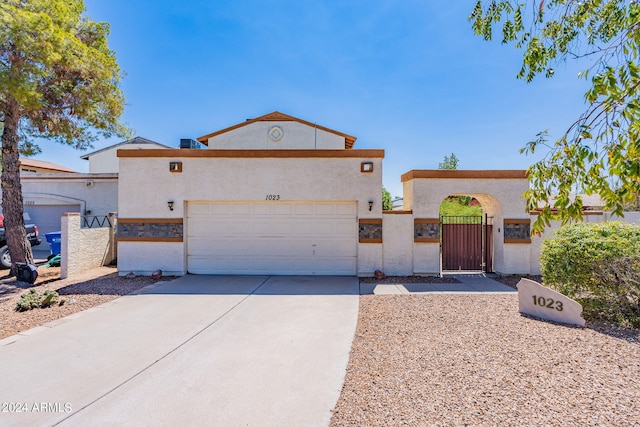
[302, 209]
[272, 228]
[272, 238]
[239, 209]
[198, 209]
[200, 226]
[325, 209]
[345, 209]
[281, 209]
[335, 248]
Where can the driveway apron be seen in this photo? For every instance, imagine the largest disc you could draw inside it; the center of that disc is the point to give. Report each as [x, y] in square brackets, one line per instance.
[200, 350]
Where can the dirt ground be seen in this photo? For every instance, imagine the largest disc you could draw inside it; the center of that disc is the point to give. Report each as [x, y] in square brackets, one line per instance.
[80, 292]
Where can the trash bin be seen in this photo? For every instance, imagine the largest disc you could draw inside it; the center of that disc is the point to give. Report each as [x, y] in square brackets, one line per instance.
[54, 239]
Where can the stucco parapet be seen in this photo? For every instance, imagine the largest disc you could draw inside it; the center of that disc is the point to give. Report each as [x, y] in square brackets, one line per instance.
[176, 153]
[463, 174]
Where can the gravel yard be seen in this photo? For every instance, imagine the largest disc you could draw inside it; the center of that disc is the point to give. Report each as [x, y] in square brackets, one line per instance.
[80, 292]
[474, 360]
[434, 359]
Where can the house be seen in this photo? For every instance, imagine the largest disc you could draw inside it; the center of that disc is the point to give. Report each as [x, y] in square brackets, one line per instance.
[49, 190]
[29, 166]
[280, 195]
[271, 195]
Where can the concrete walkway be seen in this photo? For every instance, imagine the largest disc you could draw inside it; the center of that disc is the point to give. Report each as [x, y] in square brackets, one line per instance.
[470, 284]
[197, 351]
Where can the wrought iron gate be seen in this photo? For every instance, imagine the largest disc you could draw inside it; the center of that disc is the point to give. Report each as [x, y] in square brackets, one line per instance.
[466, 243]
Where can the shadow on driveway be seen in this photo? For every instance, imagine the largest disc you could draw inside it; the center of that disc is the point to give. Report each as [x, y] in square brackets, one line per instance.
[256, 285]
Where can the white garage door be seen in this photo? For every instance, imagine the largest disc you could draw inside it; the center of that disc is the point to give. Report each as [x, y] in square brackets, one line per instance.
[271, 238]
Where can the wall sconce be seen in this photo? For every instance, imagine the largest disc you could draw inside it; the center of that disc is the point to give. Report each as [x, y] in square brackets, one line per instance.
[170, 204]
[175, 167]
[366, 167]
[370, 204]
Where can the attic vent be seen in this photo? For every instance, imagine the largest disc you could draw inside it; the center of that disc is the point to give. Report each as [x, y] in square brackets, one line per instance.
[189, 144]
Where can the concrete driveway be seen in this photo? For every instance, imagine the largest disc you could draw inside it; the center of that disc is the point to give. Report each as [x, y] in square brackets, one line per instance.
[200, 350]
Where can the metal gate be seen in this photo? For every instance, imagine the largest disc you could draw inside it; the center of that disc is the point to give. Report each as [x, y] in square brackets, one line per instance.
[467, 243]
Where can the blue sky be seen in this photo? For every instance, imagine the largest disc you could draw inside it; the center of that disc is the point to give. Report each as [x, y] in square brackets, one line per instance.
[406, 76]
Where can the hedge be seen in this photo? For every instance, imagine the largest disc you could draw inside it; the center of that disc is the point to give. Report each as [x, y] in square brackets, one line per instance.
[599, 266]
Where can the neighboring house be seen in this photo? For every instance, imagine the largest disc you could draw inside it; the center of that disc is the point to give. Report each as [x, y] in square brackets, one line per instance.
[105, 160]
[29, 166]
[49, 190]
[48, 196]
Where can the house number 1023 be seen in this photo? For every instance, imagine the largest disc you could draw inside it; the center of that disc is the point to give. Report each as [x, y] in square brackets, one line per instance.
[547, 303]
[272, 197]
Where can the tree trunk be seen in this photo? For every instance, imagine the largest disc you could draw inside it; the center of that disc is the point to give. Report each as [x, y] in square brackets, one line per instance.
[12, 204]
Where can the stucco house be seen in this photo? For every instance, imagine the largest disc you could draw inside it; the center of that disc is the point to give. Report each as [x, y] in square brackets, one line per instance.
[271, 195]
[30, 166]
[280, 195]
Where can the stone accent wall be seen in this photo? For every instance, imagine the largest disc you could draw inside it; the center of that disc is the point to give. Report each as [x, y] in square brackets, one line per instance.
[517, 231]
[370, 231]
[426, 230]
[84, 248]
[151, 230]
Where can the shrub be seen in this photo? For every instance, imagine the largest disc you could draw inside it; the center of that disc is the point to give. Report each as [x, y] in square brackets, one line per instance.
[599, 266]
[35, 299]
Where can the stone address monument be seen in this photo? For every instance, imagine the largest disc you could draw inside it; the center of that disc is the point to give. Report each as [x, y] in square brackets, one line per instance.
[539, 301]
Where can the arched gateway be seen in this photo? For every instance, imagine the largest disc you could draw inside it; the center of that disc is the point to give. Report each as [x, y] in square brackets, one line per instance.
[495, 241]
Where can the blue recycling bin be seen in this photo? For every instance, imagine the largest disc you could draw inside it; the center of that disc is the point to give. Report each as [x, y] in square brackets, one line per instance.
[54, 238]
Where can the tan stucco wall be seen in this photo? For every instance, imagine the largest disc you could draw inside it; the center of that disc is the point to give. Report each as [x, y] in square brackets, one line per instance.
[500, 198]
[143, 258]
[397, 243]
[146, 185]
[100, 196]
[295, 136]
[81, 248]
[426, 258]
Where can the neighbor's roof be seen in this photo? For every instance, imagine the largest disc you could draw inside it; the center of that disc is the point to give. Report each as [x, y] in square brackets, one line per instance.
[136, 140]
[277, 116]
[40, 164]
[592, 201]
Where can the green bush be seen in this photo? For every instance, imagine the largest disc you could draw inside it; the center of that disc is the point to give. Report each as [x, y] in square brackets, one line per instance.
[35, 299]
[459, 206]
[599, 266]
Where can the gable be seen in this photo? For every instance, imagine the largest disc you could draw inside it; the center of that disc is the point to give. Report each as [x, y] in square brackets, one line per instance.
[137, 142]
[277, 131]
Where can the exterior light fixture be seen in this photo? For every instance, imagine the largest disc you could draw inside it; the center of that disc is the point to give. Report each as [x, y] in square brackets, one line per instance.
[170, 204]
[175, 167]
[370, 204]
[366, 167]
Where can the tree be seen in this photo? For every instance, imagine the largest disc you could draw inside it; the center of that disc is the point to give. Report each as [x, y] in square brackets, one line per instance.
[387, 204]
[58, 80]
[449, 162]
[600, 151]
